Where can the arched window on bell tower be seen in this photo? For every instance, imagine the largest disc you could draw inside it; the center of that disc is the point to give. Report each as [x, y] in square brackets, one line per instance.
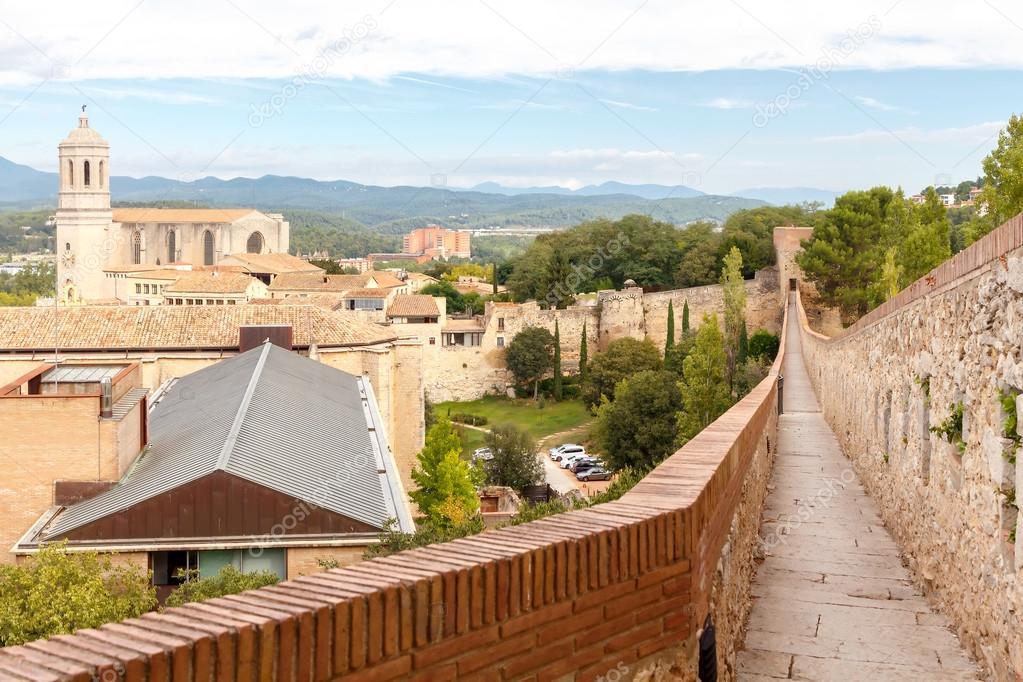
[100, 178]
[85, 174]
[70, 173]
[136, 248]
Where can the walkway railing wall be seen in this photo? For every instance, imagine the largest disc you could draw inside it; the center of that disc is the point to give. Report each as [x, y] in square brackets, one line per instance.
[891, 387]
[607, 591]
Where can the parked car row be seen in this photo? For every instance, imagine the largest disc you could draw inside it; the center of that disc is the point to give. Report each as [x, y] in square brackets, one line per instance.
[585, 467]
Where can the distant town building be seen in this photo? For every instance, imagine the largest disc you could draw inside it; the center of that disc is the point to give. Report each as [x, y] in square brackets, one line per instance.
[948, 199]
[360, 264]
[438, 242]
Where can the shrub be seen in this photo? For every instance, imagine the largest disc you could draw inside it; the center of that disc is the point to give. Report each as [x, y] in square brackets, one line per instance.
[764, 344]
[466, 418]
[56, 592]
[228, 581]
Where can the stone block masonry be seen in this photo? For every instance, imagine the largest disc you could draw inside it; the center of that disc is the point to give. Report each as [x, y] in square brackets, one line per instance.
[949, 341]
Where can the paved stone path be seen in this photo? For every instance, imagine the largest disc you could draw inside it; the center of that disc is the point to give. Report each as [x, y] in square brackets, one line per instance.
[832, 600]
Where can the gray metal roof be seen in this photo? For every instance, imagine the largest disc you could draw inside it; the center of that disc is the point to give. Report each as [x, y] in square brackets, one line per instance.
[272, 417]
[69, 374]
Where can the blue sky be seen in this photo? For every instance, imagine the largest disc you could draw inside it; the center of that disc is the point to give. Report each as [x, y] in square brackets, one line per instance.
[407, 98]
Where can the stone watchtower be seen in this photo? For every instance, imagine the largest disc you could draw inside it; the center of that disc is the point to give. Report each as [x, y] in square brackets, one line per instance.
[85, 240]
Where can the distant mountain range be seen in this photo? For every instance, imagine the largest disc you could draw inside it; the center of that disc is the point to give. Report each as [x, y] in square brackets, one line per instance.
[653, 192]
[396, 209]
[779, 196]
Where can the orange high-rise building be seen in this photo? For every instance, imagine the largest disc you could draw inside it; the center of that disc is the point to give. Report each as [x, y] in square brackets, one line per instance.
[438, 242]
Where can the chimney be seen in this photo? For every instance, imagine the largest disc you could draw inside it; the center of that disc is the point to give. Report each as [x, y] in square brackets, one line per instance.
[106, 398]
[253, 335]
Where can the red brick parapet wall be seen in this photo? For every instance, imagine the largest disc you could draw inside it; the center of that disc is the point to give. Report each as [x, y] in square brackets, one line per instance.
[616, 587]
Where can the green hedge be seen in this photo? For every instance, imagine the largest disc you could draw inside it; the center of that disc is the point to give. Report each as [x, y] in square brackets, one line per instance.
[471, 419]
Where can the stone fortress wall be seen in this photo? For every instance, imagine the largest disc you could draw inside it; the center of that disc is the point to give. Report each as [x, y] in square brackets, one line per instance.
[470, 372]
[953, 336]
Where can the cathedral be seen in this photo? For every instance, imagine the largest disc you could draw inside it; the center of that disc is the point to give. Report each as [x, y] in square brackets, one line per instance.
[96, 243]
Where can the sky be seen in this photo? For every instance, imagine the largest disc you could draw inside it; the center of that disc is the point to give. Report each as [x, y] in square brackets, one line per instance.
[717, 95]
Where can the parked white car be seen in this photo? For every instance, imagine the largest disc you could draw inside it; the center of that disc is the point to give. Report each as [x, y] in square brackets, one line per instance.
[482, 454]
[568, 459]
[562, 451]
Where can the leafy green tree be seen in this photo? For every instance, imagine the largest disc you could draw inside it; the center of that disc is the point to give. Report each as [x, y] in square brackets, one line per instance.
[583, 358]
[685, 317]
[891, 272]
[57, 592]
[558, 379]
[622, 358]
[429, 413]
[748, 375]
[228, 581]
[516, 463]
[445, 492]
[764, 344]
[330, 267]
[529, 355]
[1002, 193]
[927, 241]
[639, 428]
[705, 389]
[670, 335]
[734, 293]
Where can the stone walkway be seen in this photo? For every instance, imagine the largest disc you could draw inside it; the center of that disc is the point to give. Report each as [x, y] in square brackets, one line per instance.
[832, 600]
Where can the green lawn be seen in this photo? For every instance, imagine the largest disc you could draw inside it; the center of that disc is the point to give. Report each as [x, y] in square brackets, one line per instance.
[552, 418]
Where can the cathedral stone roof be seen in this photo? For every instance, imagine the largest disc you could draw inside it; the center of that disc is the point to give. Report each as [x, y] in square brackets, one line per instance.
[175, 327]
[180, 215]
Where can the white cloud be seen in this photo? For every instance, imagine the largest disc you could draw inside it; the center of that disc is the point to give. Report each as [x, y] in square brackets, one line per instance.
[728, 103]
[628, 105]
[202, 39]
[872, 103]
[973, 134]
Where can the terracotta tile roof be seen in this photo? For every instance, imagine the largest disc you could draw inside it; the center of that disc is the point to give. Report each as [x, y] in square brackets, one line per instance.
[158, 273]
[180, 215]
[304, 281]
[211, 282]
[329, 301]
[170, 326]
[421, 276]
[413, 305]
[274, 263]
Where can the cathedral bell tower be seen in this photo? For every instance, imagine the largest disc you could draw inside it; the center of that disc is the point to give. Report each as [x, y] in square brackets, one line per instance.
[85, 240]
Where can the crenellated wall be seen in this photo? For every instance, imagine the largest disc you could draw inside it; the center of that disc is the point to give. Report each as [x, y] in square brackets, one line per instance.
[952, 337]
[617, 591]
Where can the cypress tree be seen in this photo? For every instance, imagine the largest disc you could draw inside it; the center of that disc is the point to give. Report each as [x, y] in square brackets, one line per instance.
[557, 362]
[743, 344]
[493, 275]
[670, 340]
[685, 317]
[582, 357]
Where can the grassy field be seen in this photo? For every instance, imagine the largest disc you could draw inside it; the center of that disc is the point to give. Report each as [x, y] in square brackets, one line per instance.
[524, 414]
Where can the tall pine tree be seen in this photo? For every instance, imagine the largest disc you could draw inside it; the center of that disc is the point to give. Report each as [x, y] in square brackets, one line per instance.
[583, 357]
[743, 344]
[557, 362]
[670, 340]
[705, 389]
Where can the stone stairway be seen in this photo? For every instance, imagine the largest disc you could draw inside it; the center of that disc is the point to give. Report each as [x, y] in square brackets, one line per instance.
[832, 600]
